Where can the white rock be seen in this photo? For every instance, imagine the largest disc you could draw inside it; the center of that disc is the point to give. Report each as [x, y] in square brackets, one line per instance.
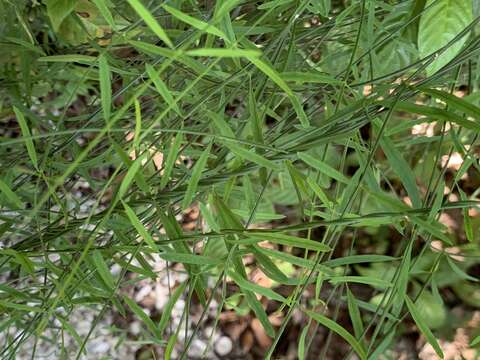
[144, 291]
[135, 328]
[197, 348]
[161, 296]
[223, 346]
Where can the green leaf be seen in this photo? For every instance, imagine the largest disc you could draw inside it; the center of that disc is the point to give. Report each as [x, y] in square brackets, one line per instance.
[287, 240]
[195, 178]
[367, 280]
[417, 317]
[102, 269]
[170, 345]
[138, 311]
[247, 285]
[402, 282]
[167, 310]
[455, 102]
[277, 79]
[403, 171]
[301, 343]
[358, 259]
[26, 134]
[190, 259]
[58, 10]
[146, 16]
[162, 88]
[10, 195]
[269, 267]
[105, 86]
[221, 52]
[171, 158]
[105, 11]
[69, 58]
[319, 192]
[323, 167]
[467, 222]
[129, 176]
[21, 307]
[198, 24]
[433, 311]
[139, 227]
[440, 23]
[354, 313]
[339, 330]
[250, 155]
[433, 228]
[475, 341]
[71, 330]
[309, 77]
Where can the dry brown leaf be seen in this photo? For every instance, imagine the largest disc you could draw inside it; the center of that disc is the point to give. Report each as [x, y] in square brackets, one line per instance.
[263, 339]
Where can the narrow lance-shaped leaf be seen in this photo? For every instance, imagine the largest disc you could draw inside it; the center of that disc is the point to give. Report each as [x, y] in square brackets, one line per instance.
[403, 171]
[170, 162]
[221, 52]
[146, 16]
[167, 310]
[102, 269]
[129, 176]
[105, 86]
[247, 285]
[196, 175]
[10, 195]
[138, 311]
[105, 11]
[417, 317]
[138, 126]
[162, 88]
[288, 240]
[277, 79]
[27, 135]
[354, 313]
[139, 227]
[339, 330]
[323, 167]
[455, 102]
[198, 24]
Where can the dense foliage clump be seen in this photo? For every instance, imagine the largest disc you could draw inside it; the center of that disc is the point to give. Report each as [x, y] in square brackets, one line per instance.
[310, 167]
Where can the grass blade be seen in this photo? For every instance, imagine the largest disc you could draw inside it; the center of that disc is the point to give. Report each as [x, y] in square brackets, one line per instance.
[196, 174]
[198, 24]
[105, 11]
[105, 86]
[103, 270]
[10, 195]
[27, 135]
[323, 167]
[287, 240]
[167, 310]
[249, 286]
[138, 311]
[171, 158]
[227, 53]
[139, 227]
[339, 330]
[162, 88]
[146, 16]
[417, 317]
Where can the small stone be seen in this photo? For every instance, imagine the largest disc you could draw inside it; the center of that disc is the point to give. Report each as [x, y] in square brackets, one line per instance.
[223, 346]
[135, 328]
[197, 348]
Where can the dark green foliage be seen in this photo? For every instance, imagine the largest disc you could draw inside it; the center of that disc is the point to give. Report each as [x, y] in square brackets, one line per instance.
[298, 123]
